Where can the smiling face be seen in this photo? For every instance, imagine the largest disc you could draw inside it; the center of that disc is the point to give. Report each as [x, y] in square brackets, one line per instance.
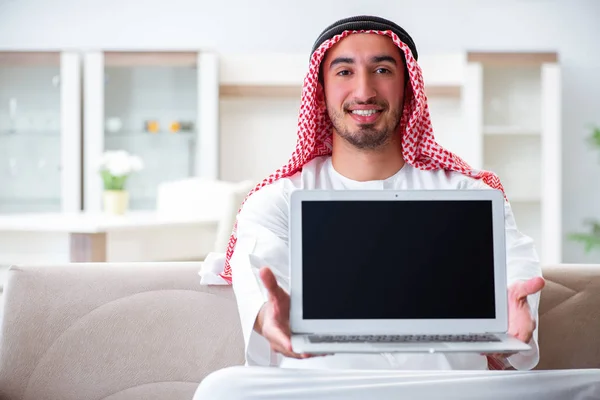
[363, 82]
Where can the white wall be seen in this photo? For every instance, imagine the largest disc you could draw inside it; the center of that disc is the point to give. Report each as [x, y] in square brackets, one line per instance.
[238, 26]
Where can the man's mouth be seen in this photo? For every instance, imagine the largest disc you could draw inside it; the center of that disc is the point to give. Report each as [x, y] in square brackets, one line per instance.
[365, 116]
[365, 113]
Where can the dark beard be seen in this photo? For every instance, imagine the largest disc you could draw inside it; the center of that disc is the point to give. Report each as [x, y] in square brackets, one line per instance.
[366, 137]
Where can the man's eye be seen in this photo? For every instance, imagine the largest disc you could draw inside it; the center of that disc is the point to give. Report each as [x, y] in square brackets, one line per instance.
[382, 70]
[343, 72]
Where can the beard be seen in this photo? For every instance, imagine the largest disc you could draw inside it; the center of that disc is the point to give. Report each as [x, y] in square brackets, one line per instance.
[366, 136]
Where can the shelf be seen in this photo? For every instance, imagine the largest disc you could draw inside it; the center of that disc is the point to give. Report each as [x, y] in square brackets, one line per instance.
[150, 59]
[247, 90]
[149, 135]
[29, 205]
[29, 134]
[510, 131]
[443, 91]
[512, 59]
[29, 58]
[265, 90]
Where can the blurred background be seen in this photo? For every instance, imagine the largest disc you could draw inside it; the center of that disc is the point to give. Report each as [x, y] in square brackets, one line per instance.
[206, 95]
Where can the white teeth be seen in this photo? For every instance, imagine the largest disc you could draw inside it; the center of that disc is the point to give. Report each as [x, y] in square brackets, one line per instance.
[364, 112]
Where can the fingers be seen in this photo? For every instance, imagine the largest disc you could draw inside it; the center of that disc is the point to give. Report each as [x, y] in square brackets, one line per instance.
[270, 282]
[523, 330]
[281, 343]
[276, 331]
[526, 334]
[526, 288]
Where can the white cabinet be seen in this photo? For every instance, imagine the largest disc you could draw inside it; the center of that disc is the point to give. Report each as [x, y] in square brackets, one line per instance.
[161, 106]
[40, 132]
[512, 109]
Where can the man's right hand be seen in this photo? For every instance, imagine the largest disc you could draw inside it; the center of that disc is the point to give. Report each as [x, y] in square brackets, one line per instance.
[273, 321]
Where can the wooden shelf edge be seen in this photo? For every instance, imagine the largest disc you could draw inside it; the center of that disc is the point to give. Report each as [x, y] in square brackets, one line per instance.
[36, 58]
[233, 90]
[443, 91]
[512, 58]
[150, 59]
[249, 90]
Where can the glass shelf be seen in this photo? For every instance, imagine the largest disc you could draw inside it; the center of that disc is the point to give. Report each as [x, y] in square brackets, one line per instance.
[509, 130]
[150, 135]
[17, 135]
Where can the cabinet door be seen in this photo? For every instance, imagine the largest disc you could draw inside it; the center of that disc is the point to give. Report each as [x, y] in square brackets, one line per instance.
[518, 121]
[40, 132]
[156, 105]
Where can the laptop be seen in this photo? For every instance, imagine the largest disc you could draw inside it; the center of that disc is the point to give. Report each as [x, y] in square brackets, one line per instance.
[398, 271]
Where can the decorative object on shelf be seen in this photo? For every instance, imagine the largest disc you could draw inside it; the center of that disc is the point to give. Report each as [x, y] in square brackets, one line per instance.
[113, 124]
[590, 240]
[115, 167]
[152, 126]
[174, 127]
[186, 126]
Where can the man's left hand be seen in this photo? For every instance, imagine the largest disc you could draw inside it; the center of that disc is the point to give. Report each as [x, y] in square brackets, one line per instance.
[521, 323]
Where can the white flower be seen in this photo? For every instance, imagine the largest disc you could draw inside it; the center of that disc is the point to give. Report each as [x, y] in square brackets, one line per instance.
[120, 163]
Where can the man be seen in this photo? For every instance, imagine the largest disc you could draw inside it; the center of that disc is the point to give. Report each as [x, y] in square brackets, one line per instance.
[364, 124]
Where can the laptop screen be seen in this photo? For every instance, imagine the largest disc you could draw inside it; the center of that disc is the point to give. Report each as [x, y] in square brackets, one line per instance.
[397, 259]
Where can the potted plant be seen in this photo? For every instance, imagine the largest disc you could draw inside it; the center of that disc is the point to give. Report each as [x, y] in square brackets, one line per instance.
[115, 167]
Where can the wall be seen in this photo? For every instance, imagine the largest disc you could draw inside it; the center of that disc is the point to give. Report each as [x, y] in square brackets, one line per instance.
[569, 27]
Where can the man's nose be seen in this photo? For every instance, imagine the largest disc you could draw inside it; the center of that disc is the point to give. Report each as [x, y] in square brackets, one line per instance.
[364, 90]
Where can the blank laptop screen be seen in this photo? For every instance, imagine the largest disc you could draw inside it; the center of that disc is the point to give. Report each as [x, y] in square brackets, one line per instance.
[397, 259]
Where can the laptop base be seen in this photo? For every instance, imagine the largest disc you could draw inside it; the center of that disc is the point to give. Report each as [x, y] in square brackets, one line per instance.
[501, 343]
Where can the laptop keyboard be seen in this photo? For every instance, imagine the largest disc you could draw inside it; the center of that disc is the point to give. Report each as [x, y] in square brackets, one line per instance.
[401, 338]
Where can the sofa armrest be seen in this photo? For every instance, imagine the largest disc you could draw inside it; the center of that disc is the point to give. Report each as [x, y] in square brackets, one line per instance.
[569, 323]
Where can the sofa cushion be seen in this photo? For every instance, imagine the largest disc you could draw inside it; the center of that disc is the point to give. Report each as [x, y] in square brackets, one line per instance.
[114, 331]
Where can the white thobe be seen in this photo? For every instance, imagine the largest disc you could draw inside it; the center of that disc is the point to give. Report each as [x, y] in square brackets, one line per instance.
[263, 241]
[262, 233]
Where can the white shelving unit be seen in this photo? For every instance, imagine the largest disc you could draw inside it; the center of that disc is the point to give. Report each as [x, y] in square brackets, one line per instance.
[40, 131]
[512, 110]
[138, 87]
[499, 111]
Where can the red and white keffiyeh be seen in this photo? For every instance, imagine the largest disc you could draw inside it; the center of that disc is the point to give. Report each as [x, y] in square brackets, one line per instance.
[315, 130]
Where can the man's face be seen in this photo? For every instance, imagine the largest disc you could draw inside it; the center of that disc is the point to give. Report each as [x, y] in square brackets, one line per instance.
[363, 78]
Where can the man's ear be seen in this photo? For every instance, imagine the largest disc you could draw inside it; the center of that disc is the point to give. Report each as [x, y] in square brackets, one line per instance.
[320, 94]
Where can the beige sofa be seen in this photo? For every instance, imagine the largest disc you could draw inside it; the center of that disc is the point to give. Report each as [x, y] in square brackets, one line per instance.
[150, 331]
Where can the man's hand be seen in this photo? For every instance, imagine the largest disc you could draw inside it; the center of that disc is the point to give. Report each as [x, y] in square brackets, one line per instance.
[273, 321]
[520, 321]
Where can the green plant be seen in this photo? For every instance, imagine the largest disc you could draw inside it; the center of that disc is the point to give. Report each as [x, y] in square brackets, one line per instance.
[591, 239]
[116, 166]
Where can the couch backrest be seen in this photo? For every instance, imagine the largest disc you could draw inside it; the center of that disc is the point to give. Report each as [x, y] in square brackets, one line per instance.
[114, 331]
[150, 331]
[569, 331]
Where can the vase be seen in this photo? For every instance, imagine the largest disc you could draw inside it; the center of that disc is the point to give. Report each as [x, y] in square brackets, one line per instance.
[115, 202]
